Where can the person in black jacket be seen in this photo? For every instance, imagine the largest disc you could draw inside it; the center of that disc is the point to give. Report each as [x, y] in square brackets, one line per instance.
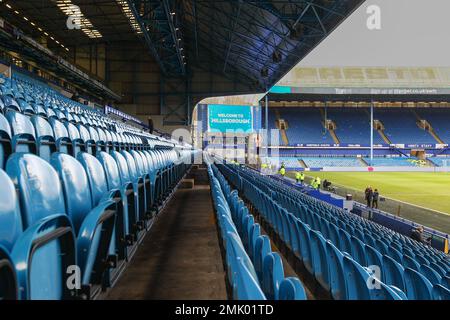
[368, 194]
[375, 197]
[417, 234]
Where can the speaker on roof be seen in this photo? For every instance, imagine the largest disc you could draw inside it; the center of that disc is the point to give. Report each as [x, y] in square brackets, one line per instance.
[276, 56]
[264, 72]
[296, 32]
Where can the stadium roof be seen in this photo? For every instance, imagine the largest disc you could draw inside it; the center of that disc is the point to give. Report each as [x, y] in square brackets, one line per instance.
[252, 42]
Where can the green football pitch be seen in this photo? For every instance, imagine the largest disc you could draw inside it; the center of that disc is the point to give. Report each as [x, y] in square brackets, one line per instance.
[426, 189]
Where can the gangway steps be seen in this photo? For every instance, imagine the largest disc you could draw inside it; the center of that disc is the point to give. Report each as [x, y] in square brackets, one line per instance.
[180, 258]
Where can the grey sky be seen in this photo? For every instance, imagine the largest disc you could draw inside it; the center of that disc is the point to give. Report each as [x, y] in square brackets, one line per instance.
[413, 33]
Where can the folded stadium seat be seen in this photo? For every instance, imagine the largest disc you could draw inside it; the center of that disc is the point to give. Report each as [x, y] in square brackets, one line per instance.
[143, 171]
[39, 110]
[139, 182]
[108, 141]
[430, 274]
[78, 144]
[60, 115]
[358, 251]
[261, 249]
[102, 140]
[2, 106]
[409, 262]
[417, 287]
[90, 143]
[5, 141]
[440, 292]
[155, 176]
[242, 275]
[10, 231]
[319, 259]
[75, 119]
[48, 239]
[291, 289]
[50, 113]
[10, 104]
[23, 133]
[99, 145]
[126, 191]
[45, 140]
[273, 275]
[358, 280]
[303, 231]
[26, 108]
[392, 273]
[93, 222]
[345, 241]
[63, 142]
[255, 232]
[335, 261]
[135, 224]
[373, 257]
[83, 119]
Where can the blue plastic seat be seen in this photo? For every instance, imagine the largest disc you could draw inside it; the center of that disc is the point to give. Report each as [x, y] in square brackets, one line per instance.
[430, 274]
[93, 224]
[305, 251]
[392, 273]
[10, 104]
[48, 234]
[90, 144]
[361, 285]
[23, 134]
[291, 289]
[10, 231]
[134, 215]
[336, 271]
[45, 140]
[440, 292]
[358, 251]
[245, 286]
[63, 142]
[5, 141]
[417, 287]
[139, 182]
[319, 259]
[78, 144]
[255, 232]
[273, 275]
[262, 248]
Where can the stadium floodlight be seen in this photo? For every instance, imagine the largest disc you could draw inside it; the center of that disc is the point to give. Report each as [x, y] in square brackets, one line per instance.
[129, 14]
[76, 19]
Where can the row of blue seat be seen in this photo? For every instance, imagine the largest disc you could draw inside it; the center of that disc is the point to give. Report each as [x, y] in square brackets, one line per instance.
[88, 188]
[254, 271]
[86, 211]
[333, 244]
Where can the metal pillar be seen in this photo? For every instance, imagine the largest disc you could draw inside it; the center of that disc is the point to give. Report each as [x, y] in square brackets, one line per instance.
[371, 132]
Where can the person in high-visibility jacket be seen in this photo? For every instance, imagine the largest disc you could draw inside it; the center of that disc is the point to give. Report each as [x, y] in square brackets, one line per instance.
[314, 183]
[302, 177]
[318, 182]
[297, 177]
[282, 172]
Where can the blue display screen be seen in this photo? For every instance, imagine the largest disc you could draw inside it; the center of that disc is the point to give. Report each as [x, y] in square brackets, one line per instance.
[223, 118]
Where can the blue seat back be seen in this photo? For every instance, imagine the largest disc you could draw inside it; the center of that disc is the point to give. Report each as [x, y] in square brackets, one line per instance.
[291, 289]
[41, 193]
[10, 219]
[5, 141]
[96, 176]
[123, 167]
[24, 138]
[111, 170]
[417, 287]
[273, 275]
[75, 187]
